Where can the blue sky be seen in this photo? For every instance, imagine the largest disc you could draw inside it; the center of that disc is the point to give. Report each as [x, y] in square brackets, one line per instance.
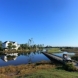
[48, 22]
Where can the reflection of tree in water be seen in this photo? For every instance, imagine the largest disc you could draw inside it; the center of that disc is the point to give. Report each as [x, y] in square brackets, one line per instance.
[31, 56]
[38, 52]
[25, 53]
[22, 54]
[34, 53]
[29, 53]
[10, 57]
[19, 54]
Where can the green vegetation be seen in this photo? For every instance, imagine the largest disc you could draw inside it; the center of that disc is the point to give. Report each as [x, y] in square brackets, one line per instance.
[23, 70]
[52, 50]
[10, 57]
[29, 46]
[13, 46]
[70, 49]
[1, 46]
[69, 66]
[38, 70]
[9, 46]
[52, 73]
[75, 57]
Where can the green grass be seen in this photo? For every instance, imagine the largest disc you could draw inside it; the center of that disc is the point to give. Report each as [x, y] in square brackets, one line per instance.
[43, 70]
[52, 73]
[53, 50]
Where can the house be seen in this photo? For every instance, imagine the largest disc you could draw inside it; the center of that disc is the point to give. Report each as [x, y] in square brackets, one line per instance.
[5, 45]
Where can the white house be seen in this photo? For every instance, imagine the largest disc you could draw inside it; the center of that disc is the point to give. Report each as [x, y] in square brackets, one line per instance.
[5, 45]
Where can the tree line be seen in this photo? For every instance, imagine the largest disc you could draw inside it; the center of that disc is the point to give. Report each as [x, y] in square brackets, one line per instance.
[26, 46]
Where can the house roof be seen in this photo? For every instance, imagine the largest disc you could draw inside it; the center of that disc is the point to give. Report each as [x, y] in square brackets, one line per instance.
[9, 41]
[5, 41]
[13, 42]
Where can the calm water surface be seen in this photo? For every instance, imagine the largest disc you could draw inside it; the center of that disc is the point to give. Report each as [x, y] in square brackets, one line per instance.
[61, 54]
[22, 58]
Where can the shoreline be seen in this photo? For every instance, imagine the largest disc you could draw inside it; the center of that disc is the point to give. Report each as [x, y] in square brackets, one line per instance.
[18, 51]
[23, 69]
[37, 70]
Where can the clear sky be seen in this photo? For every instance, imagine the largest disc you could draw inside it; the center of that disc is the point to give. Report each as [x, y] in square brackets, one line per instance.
[48, 22]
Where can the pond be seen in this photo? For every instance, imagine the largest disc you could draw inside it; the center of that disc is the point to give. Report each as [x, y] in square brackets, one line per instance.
[61, 54]
[22, 58]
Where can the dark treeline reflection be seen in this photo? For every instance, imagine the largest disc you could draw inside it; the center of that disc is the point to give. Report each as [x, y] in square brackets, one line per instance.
[28, 53]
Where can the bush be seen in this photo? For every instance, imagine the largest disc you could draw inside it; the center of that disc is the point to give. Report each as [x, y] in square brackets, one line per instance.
[69, 67]
[75, 57]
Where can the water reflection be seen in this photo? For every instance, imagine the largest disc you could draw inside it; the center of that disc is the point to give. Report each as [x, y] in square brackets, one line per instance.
[8, 57]
[22, 58]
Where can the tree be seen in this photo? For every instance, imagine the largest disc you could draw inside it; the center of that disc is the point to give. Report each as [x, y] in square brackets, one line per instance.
[0, 45]
[20, 48]
[26, 46]
[13, 46]
[30, 42]
[10, 46]
[34, 46]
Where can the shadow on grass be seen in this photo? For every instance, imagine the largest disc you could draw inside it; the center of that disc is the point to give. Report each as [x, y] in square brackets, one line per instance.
[60, 68]
[43, 63]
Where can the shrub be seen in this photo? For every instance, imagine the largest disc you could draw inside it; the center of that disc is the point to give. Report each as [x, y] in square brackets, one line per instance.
[75, 57]
[69, 67]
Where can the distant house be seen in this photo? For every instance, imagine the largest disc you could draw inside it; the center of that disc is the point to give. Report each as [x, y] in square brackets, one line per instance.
[5, 45]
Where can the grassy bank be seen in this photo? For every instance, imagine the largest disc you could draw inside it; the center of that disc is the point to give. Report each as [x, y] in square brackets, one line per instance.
[52, 73]
[22, 70]
[38, 70]
[17, 51]
[70, 50]
[75, 57]
[53, 50]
